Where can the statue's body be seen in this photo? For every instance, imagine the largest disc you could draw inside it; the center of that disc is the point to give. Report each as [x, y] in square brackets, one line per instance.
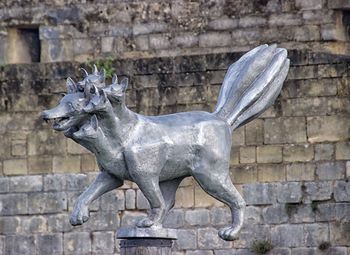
[158, 152]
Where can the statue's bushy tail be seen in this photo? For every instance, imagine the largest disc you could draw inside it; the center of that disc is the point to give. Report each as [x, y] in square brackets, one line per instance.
[252, 84]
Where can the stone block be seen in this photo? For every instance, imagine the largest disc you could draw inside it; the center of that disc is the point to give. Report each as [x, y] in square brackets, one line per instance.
[271, 172]
[4, 184]
[39, 164]
[10, 225]
[324, 151]
[251, 232]
[130, 199]
[251, 21]
[300, 213]
[300, 172]
[254, 132]
[141, 42]
[88, 163]
[247, 155]
[47, 202]
[49, 244]
[174, 219]
[113, 201]
[307, 33]
[277, 130]
[13, 204]
[315, 234]
[103, 242]
[253, 215]
[33, 224]
[130, 218]
[202, 199]
[317, 191]
[67, 164]
[103, 221]
[200, 252]
[327, 129]
[15, 167]
[244, 174]
[55, 182]
[234, 159]
[342, 191]
[208, 239]
[107, 44]
[275, 214]
[76, 182]
[187, 239]
[215, 39]
[141, 201]
[339, 233]
[75, 148]
[330, 170]
[148, 28]
[77, 243]
[342, 151]
[289, 192]
[238, 137]
[298, 153]
[19, 148]
[348, 169]
[58, 223]
[269, 154]
[184, 197]
[309, 5]
[30, 183]
[259, 194]
[287, 235]
[287, 19]
[20, 244]
[223, 24]
[46, 142]
[159, 41]
[197, 217]
[56, 50]
[333, 32]
[220, 216]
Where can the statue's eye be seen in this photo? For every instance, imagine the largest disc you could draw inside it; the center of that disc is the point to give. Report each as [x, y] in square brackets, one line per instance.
[92, 90]
[80, 88]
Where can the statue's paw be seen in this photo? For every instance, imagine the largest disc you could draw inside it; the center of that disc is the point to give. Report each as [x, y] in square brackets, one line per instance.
[145, 223]
[79, 216]
[229, 233]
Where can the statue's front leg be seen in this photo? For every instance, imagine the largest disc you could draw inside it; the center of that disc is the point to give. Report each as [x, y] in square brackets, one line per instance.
[103, 183]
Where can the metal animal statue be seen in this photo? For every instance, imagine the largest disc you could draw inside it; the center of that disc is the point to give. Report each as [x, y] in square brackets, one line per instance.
[158, 152]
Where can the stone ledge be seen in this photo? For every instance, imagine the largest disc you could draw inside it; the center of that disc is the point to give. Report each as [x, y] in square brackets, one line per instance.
[152, 232]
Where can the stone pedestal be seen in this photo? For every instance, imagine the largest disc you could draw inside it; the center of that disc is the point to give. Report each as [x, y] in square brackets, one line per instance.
[146, 241]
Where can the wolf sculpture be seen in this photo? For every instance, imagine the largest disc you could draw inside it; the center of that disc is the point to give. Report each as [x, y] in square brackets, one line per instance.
[158, 152]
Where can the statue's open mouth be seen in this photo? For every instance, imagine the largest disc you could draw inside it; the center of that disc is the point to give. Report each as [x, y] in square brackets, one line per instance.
[60, 123]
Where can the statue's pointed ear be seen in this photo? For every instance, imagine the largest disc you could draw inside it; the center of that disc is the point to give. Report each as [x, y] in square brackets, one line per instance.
[102, 75]
[71, 86]
[84, 72]
[95, 70]
[94, 122]
[115, 79]
[124, 83]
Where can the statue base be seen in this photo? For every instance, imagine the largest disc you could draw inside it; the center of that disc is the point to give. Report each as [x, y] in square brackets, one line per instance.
[153, 240]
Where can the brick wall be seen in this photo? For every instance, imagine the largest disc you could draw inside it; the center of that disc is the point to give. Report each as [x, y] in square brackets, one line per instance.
[291, 164]
[80, 30]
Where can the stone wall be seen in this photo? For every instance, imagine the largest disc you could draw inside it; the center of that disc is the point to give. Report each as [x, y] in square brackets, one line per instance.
[80, 30]
[291, 164]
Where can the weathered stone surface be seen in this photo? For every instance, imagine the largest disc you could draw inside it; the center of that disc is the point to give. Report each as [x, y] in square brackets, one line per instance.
[50, 244]
[214, 39]
[288, 236]
[297, 153]
[300, 172]
[208, 239]
[247, 154]
[77, 243]
[342, 191]
[275, 214]
[35, 224]
[184, 197]
[47, 202]
[254, 132]
[271, 172]
[130, 218]
[39, 164]
[277, 130]
[130, 199]
[269, 154]
[342, 151]
[13, 204]
[251, 232]
[19, 244]
[10, 225]
[315, 234]
[141, 201]
[187, 239]
[244, 174]
[175, 219]
[67, 164]
[198, 217]
[220, 216]
[259, 194]
[330, 170]
[317, 190]
[102, 242]
[327, 129]
[15, 167]
[26, 183]
[289, 192]
[202, 199]
[339, 233]
[324, 151]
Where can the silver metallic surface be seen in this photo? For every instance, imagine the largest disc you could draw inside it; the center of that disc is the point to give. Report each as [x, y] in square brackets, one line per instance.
[158, 152]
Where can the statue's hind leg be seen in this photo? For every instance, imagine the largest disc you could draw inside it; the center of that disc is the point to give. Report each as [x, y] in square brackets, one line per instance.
[168, 189]
[215, 180]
